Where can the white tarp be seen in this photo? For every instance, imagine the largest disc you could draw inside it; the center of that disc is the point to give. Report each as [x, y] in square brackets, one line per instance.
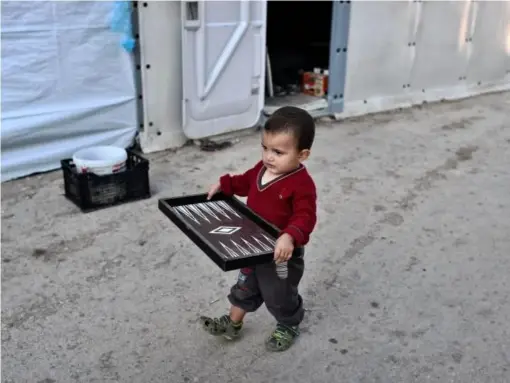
[67, 83]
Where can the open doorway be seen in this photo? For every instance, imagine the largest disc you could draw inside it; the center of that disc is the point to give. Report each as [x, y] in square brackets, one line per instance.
[298, 40]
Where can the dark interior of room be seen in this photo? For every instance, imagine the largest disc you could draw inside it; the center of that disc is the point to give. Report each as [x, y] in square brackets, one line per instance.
[298, 38]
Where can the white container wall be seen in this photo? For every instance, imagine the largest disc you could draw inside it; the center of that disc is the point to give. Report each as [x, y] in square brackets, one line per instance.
[402, 53]
[161, 72]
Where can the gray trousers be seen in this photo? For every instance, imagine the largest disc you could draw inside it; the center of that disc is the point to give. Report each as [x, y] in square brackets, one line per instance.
[261, 284]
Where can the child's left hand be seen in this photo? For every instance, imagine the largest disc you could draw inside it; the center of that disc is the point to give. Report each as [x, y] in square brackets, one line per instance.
[284, 248]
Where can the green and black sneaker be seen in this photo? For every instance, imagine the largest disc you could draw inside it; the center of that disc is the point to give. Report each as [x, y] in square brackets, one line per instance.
[222, 326]
[282, 337]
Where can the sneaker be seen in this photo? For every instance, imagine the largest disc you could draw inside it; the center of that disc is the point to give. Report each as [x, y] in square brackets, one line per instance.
[222, 326]
[282, 337]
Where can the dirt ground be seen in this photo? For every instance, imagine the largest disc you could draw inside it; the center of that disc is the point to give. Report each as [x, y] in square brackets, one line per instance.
[407, 275]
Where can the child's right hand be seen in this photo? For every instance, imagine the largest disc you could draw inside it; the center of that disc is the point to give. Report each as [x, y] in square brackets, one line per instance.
[213, 190]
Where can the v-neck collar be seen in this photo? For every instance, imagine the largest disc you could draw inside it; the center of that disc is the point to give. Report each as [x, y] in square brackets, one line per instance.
[263, 169]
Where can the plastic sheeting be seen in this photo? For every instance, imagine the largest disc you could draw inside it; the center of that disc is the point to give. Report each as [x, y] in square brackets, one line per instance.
[67, 83]
[402, 53]
[121, 22]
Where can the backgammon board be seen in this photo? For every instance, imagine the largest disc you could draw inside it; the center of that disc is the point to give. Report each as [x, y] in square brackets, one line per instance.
[224, 228]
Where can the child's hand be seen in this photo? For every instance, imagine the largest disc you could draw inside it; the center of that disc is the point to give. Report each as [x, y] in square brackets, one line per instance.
[213, 190]
[284, 248]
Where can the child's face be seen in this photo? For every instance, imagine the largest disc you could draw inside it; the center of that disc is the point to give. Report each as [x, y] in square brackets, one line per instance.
[280, 154]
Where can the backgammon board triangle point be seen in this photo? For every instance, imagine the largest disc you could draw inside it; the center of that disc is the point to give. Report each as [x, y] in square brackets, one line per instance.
[208, 210]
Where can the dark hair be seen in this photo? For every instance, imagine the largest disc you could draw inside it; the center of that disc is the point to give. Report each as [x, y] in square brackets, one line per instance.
[295, 120]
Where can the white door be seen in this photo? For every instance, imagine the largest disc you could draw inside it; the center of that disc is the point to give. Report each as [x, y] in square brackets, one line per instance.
[223, 56]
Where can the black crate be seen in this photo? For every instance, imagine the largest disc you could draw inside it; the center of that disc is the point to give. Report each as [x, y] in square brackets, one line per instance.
[91, 192]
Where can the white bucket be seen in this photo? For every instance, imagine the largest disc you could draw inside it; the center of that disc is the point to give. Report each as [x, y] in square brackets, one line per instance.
[100, 160]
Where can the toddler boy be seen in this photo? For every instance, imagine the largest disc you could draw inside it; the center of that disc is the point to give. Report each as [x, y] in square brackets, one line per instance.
[280, 190]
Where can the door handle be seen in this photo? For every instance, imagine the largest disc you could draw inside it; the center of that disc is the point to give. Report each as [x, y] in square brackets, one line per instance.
[192, 11]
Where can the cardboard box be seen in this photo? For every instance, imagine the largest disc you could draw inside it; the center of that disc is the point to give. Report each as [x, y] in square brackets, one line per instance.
[315, 83]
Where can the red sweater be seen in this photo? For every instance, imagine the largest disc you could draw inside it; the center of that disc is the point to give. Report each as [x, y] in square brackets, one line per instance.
[288, 202]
